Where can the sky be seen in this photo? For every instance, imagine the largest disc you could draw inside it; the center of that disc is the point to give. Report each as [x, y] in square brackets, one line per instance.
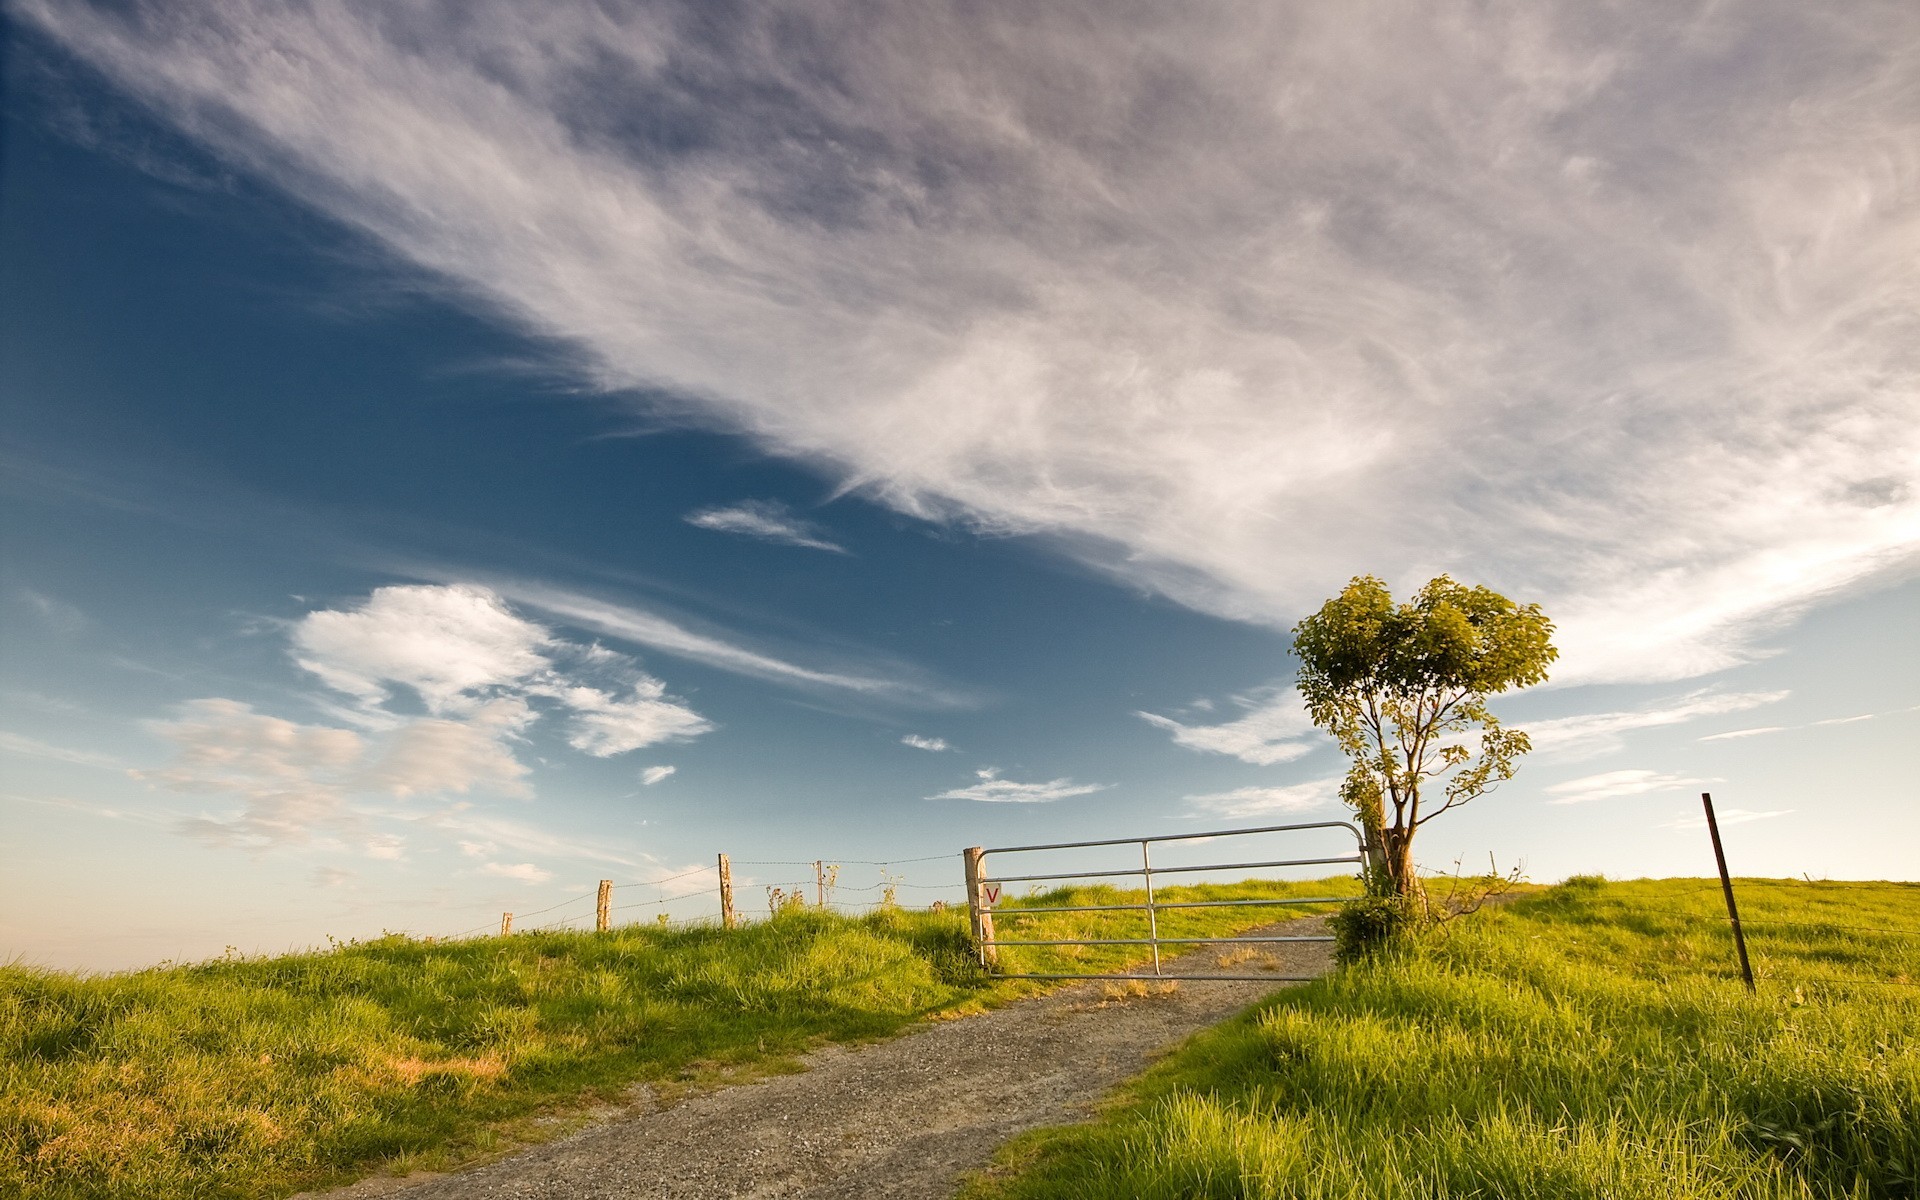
[457, 453]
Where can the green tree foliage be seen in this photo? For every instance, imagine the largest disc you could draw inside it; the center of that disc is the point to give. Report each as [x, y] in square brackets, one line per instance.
[1402, 687]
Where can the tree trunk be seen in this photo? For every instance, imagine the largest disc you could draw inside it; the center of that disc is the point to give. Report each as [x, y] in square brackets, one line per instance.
[1400, 871]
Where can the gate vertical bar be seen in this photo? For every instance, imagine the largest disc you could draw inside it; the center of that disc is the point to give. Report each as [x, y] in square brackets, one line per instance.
[979, 913]
[1153, 921]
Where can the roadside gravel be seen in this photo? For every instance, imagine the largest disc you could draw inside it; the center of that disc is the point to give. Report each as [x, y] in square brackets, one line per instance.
[901, 1119]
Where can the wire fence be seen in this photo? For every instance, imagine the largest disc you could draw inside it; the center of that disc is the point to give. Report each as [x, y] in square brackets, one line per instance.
[760, 887]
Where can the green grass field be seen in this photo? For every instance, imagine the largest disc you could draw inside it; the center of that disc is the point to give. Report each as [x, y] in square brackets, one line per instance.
[259, 1077]
[1589, 1041]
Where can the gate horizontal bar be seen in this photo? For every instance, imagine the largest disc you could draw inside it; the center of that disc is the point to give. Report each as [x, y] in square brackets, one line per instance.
[1175, 837]
[1232, 903]
[1165, 941]
[1246, 866]
[1178, 978]
[1023, 910]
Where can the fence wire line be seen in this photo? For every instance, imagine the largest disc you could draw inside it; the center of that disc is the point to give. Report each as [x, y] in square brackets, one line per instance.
[838, 862]
[668, 879]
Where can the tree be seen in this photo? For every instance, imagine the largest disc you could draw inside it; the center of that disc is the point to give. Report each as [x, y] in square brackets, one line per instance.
[1401, 687]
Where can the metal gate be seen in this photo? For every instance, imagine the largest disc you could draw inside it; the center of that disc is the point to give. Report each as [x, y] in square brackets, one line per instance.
[985, 890]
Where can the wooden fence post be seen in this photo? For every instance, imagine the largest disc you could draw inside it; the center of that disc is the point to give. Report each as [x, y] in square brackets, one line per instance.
[726, 893]
[979, 913]
[603, 908]
[506, 924]
[1726, 885]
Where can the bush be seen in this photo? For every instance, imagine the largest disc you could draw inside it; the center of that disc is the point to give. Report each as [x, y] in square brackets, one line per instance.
[1373, 924]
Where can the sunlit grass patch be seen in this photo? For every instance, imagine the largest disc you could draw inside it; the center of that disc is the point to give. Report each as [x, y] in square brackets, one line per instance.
[1593, 1041]
[256, 1077]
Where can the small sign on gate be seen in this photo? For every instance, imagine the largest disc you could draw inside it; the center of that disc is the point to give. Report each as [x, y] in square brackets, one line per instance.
[989, 894]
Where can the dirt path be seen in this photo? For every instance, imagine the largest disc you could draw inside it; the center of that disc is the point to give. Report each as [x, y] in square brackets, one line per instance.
[902, 1119]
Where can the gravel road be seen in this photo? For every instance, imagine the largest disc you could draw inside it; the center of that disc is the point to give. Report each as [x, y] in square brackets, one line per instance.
[902, 1119]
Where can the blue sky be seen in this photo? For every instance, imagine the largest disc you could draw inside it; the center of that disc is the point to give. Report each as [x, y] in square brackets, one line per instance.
[423, 429]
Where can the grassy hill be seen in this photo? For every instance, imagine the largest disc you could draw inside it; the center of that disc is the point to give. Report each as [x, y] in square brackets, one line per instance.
[257, 1077]
[1591, 1041]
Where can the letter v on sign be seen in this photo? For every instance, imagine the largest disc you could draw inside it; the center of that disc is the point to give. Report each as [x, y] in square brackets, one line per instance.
[990, 894]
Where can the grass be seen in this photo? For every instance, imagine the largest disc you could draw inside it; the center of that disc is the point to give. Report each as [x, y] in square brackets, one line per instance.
[259, 1077]
[1590, 1041]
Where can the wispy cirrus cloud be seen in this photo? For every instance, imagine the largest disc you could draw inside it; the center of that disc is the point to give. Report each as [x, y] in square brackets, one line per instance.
[1610, 308]
[1275, 729]
[766, 520]
[1611, 785]
[656, 774]
[1269, 801]
[995, 790]
[1759, 730]
[627, 622]
[922, 742]
[1725, 816]
[1597, 733]
[523, 872]
[32, 747]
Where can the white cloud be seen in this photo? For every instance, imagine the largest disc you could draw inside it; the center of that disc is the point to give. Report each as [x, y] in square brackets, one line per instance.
[1726, 816]
[1853, 720]
[291, 779]
[1596, 733]
[1273, 731]
[603, 726]
[480, 834]
[921, 742]
[1267, 801]
[296, 783]
[1612, 784]
[995, 790]
[1611, 308]
[524, 872]
[432, 755]
[450, 644]
[767, 520]
[1756, 731]
[658, 774]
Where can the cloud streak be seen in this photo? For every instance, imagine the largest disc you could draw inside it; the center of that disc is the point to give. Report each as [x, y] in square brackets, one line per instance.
[766, 520]
[1276, 729]
[1598, 733]
[1611, 785]
[1613, 309]
[992, 789]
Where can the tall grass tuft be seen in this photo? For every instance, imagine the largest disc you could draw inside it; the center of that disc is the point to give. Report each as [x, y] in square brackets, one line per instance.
[1594, 1041]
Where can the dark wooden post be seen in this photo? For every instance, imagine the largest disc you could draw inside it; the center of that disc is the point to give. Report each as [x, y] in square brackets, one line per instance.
[978, 910]
[726, 893]
[1726, 885]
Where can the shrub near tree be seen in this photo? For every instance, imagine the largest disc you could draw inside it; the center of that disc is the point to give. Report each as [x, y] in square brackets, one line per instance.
[1403, 688]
